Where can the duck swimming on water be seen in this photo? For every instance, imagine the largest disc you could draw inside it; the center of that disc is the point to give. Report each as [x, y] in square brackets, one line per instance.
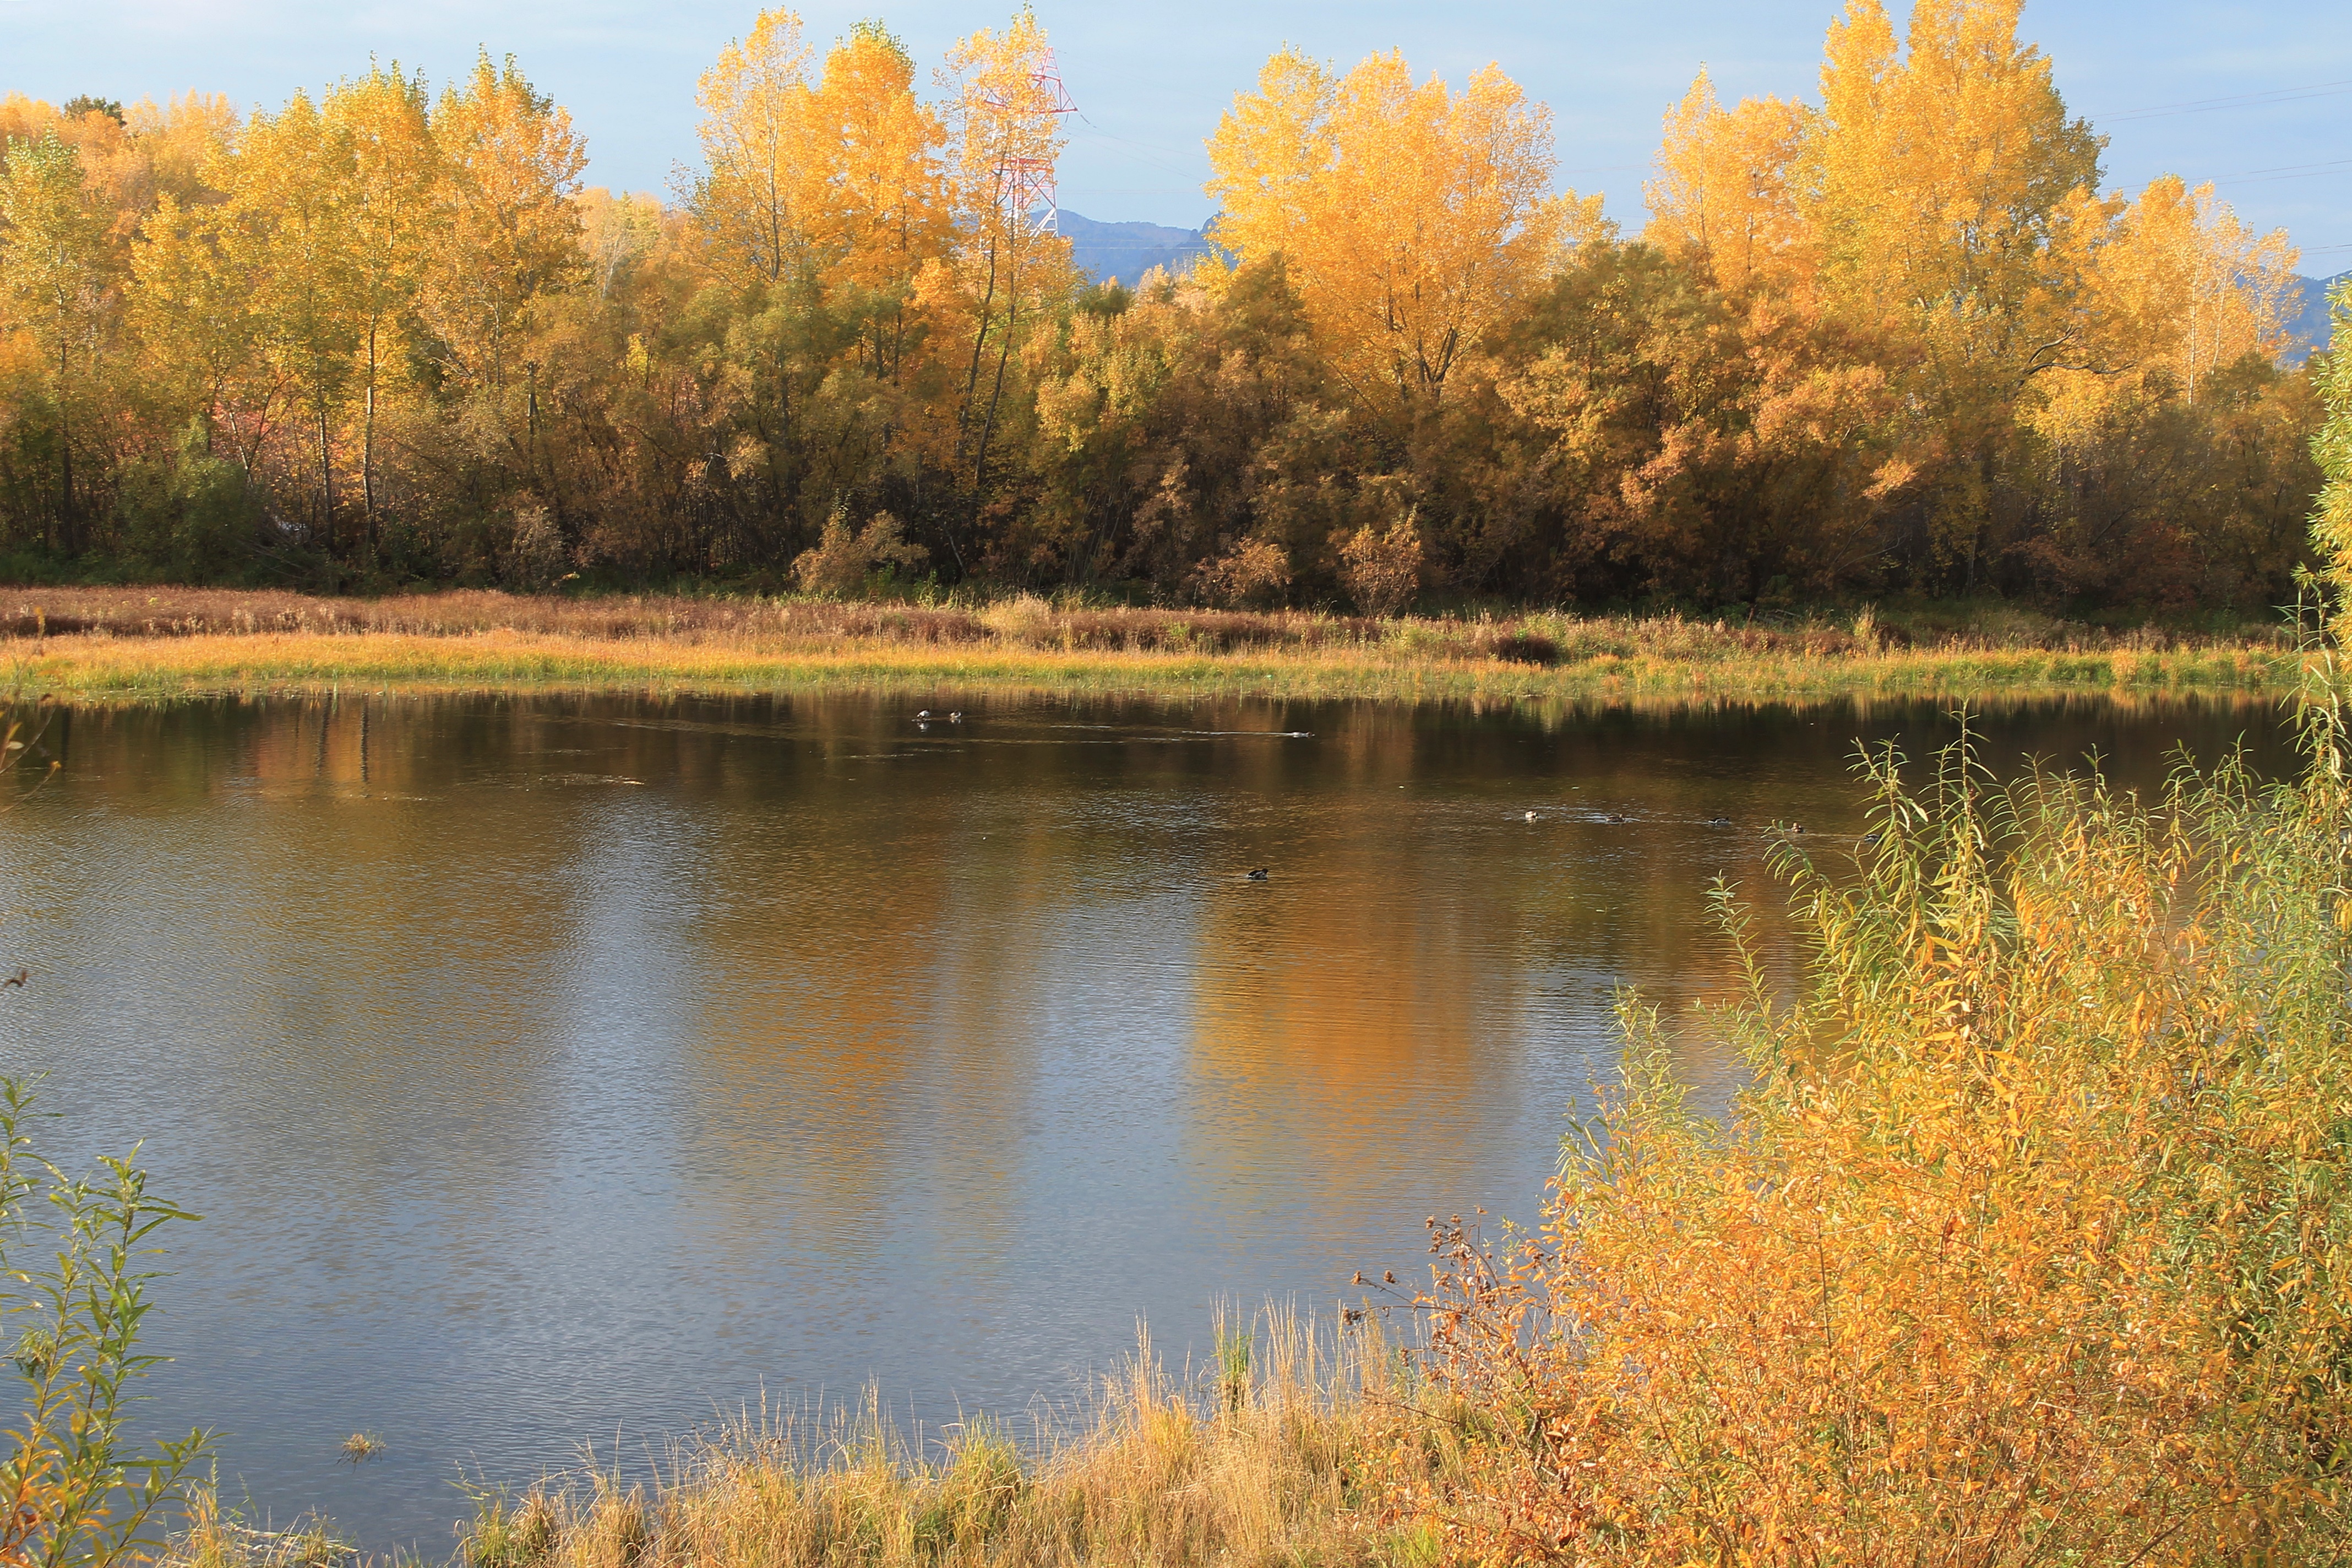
[1258, 875]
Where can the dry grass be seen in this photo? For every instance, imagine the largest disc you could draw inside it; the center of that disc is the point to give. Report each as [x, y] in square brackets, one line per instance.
[1283, 1454]
[1030, 621]
[94, 642]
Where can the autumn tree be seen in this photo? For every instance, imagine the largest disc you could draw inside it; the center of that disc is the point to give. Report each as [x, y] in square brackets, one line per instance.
[1006, 135]
[1724, 198]
[884, 216]
[192, 307]
[1939, 177]
[763, 167]
[55, 285]
[2186, 287]
[290, 226]
[1409, 219]
[384, 120]
[504, 235]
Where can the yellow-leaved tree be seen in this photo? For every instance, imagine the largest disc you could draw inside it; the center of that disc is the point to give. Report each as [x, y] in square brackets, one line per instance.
[765, 166]
[1951, 200]
[385, 122]
[56, 286]
[1943, 181]
[2176, 289]
[291, 224]
[885, 214]
[1409, 218]
[1005, 140]
[505, 244]
[1724, 196]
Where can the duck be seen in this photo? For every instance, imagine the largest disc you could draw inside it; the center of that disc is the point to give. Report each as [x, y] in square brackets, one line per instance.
[1870, 840]
[955, 718]
[1531, 816]
[1718, 822]
[1619, 817]
[1258, 875]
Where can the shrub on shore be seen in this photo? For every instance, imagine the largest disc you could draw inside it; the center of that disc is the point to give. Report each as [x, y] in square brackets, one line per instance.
[2030, 1243]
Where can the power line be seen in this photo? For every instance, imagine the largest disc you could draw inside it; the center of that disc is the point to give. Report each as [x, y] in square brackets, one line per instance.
[2237, 100]
[2287, 169]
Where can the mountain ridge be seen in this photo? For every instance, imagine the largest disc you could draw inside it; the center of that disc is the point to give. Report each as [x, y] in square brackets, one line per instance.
[1122, 253]
[2310, 326]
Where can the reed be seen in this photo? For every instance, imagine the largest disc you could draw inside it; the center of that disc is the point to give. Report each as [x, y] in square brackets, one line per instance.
[1278, 1456]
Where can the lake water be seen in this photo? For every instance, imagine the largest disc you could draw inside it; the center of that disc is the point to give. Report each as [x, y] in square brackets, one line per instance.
[551, 1071]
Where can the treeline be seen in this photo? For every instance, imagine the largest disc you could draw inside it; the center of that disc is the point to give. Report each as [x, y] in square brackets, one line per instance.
[1897, 342]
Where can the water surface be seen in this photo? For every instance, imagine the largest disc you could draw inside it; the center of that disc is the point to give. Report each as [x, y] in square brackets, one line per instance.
[555, 1069]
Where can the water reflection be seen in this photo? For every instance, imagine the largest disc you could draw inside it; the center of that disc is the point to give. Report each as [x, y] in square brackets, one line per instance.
[554, 1069]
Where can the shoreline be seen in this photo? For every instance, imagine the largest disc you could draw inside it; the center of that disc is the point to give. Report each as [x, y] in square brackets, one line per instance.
[102, 667]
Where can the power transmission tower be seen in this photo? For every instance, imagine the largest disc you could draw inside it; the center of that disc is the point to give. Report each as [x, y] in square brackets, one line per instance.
[1026, 181]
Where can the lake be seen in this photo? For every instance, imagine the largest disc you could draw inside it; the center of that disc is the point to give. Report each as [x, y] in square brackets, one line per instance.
[556, 1071]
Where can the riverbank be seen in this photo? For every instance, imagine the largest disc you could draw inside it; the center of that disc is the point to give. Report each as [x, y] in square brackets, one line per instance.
[114, 644]
[1297, 1447]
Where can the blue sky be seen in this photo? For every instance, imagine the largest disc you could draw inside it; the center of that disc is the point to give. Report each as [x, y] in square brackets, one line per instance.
[1152, 78]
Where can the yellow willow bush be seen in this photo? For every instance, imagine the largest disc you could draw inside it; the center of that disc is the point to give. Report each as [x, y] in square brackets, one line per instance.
[2029, 1244]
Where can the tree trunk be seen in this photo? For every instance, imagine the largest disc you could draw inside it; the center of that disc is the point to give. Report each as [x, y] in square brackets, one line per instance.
[65, 523]
[367, 449]
[326, 481]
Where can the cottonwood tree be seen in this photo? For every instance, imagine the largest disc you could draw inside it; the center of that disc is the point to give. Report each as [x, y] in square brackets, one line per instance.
[394, 164]
[290, 226]
[56, 284]
[1411, 219]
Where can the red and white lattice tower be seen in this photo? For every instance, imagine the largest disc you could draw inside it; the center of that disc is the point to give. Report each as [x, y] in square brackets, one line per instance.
[1028, 182]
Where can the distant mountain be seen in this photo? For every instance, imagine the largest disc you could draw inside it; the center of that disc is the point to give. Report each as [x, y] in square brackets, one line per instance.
[1124, 252]
[2310, 326]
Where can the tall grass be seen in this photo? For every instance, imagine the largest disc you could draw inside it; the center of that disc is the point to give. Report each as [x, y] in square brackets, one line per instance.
[128, 642]
[1284, 1463]
[1028, 620]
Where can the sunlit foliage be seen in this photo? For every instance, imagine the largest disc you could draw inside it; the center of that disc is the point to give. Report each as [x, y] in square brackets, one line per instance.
[2030, 1241]
[1897, 341]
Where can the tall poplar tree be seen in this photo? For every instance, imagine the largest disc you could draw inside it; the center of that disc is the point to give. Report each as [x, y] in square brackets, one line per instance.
[1004, 135]
[291, 224]
[56, 283]
[1409, 219]
[393, 165]
[763, 164]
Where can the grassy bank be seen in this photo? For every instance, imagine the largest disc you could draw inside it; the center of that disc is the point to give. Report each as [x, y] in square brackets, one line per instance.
[1286, 1452]
[110, 644]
